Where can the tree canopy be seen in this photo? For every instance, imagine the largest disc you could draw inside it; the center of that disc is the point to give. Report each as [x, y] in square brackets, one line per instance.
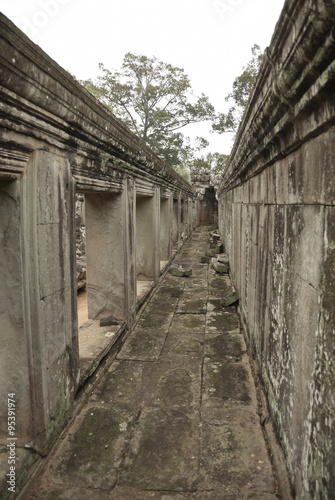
[213, 162]
[240, 95]
[156, 101]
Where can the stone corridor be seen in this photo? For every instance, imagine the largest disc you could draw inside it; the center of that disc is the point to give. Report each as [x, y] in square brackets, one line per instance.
[176, 415]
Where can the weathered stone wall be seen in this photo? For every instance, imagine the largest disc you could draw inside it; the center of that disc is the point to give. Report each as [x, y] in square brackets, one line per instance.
[277, 217]
[57, 141]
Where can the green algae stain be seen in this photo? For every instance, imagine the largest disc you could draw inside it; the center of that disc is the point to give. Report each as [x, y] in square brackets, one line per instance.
[191, 346]
[229, 381]
[174, 389]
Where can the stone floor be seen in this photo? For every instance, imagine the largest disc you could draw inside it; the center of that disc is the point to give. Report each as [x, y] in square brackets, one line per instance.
[176, 416]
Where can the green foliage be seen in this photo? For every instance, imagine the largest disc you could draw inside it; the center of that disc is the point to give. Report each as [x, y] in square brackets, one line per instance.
[215, 163]
[240, 95]
[155, 100]
[184, 172]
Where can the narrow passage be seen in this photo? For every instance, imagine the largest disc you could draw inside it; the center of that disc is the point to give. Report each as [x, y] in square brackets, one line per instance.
[176, 416]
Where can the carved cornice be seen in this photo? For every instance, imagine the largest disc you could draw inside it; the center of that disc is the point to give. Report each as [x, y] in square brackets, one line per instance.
[293, 99]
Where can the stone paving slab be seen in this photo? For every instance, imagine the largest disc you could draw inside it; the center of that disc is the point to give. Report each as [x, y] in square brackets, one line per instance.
[190, 304]
[226, 381]
[144, 344]
[184, 345]
[164, 452]
[230, 457]
[188, 323]
[175, 416]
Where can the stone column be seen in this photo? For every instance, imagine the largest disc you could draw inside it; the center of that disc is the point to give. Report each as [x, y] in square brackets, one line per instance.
[129, 204]
[49, 276]
[165, 229]
[175, 216]
[14, 372]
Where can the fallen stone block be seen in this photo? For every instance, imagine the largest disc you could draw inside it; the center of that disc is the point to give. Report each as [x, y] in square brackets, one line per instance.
[218, 249]
[215, 236]
[176, 271]
[223, 258]
[216, 244]
[210, 253]
[219, 267]
[108, 321]
[230, 300]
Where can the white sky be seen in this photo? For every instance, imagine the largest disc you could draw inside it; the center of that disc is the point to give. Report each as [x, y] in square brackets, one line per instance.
[210, 39]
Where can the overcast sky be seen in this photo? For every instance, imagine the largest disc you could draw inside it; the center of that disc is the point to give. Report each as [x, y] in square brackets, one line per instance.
[210, 39]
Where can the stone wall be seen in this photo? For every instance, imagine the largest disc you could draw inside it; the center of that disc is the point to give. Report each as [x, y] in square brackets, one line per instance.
[277, 217]
[57, 141]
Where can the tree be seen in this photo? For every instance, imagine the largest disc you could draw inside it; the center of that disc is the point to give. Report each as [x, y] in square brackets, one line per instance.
[155, 100]
[215, 163]
[240, 95]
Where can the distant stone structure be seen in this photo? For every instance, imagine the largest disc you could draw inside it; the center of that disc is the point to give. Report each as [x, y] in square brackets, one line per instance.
[207, 204]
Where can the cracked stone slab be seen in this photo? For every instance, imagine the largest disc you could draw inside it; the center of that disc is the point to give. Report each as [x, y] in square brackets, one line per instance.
[187, 304]
[144, 344]
[223, 322]
[183, 345]
[122, 385]
[91, 456]
[168, 292]
[196, 293]
[225, 346]
[188, 323]
[163, 452]
[221, 282]
[195, 282]
[168, 385]
[228, 494]
[129, 493]
[163, 305]
[156, 320]
[226, 381]
[52, 492]
[233, 455]
[178, 389]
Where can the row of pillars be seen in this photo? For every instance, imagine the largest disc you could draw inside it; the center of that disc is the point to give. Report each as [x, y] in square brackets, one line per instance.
[130, 231]
[130, 237]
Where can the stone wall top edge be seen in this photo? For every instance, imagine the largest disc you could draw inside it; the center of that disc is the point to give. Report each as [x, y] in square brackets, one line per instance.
[31, 75]
[269, 111]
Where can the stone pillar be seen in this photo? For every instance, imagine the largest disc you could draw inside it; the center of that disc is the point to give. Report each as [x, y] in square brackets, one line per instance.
[165, 229]
[105, 255]
[129, 203]
[147, 237]
[14, 372]
[50, 320]
[190, 215]
[175, 220]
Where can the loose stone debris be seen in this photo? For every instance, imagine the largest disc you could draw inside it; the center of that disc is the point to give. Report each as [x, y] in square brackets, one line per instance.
[230, 300]
[221, 266]
[180, 272]
[108, 321]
